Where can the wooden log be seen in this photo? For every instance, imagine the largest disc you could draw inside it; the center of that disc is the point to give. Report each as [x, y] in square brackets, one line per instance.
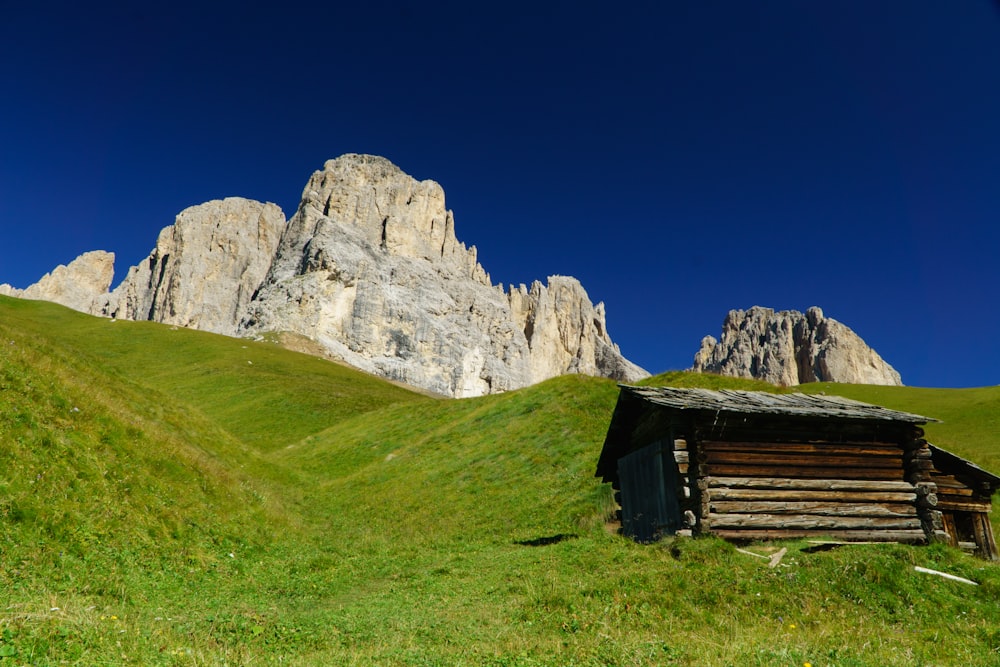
[834, 509]
[809, 522]
[957, 493]
[833, 484]
[795, 494]
[729, 470]
[781, 459]
[927, 494]
[947, 481]
[860, 449]
[681, 457]
[902, 536]
[953, 505]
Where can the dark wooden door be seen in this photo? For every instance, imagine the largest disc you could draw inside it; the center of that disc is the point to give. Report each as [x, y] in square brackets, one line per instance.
[649, 483]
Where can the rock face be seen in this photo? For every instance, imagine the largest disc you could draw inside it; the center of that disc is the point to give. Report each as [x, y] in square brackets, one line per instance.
[789, 348]
[204, 269]
[81, 285]
[370, 269]
[566, 332]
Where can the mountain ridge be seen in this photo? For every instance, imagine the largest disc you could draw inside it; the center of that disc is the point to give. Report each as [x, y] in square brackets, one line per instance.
[370, 268]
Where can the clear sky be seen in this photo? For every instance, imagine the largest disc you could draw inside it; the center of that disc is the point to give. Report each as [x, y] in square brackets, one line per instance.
[680, 158]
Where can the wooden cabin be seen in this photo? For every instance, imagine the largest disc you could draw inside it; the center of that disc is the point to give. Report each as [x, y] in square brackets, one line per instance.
[754, 465]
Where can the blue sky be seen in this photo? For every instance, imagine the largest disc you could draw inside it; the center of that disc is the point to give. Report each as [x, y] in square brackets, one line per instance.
[680, 158]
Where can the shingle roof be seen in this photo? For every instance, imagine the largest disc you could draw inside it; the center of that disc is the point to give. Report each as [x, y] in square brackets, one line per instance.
[757, 402]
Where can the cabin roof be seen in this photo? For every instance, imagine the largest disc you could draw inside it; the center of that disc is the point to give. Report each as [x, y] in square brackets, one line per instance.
[758, 402]
[953, 464]
[636, 421]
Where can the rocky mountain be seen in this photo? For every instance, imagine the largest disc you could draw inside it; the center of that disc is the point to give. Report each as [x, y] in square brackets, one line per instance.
[205, 268]
[369, 268]
[790, 348]
[81, 285]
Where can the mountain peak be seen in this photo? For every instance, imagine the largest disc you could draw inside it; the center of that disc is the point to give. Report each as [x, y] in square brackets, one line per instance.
[789, 348]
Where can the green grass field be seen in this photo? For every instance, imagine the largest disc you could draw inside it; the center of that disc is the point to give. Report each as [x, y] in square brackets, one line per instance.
[170, 497]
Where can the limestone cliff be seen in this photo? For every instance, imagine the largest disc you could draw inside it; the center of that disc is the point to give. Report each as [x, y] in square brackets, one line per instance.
[81, 285]
[566, 333]
[204, 269]
[789, 348]
[369, 268]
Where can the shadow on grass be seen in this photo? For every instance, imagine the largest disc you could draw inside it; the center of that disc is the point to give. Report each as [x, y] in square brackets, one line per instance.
[545, 541]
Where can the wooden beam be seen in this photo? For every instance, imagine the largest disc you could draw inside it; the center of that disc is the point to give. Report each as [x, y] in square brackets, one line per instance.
[830, 509]
[795, 494]
[806, 459]
[951, 491]
[902, 536]
[808, 522]
[833, 484]
[850, 449]
[946, 504]
[832, 472]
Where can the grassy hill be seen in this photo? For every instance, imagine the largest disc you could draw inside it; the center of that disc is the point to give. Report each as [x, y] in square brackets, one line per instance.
[172, 497]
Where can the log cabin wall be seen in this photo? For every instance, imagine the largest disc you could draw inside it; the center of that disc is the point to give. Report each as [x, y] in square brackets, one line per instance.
[768, 476]
[849, 490]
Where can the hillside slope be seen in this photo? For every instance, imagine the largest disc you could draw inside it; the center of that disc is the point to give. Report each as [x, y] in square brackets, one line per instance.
[200, 509]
